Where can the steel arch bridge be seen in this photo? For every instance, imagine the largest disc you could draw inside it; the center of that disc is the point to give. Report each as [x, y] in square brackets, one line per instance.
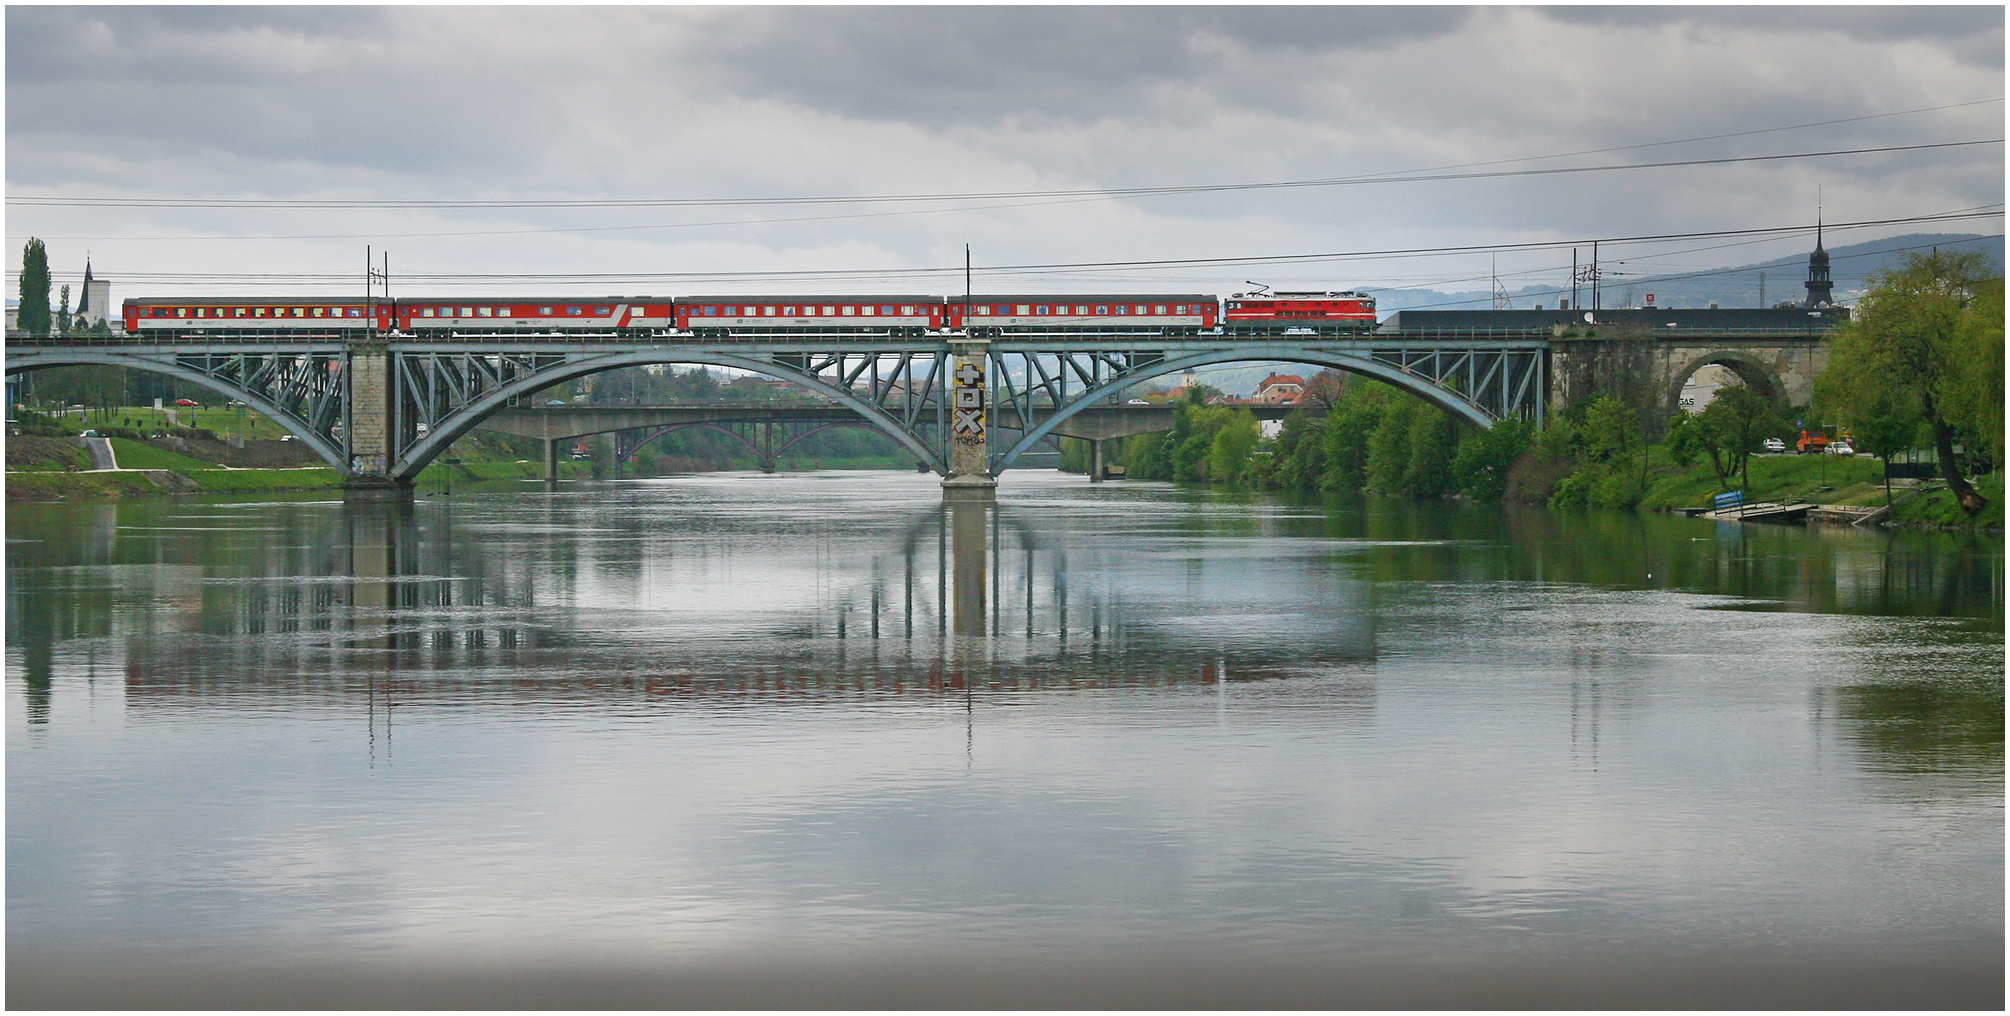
[382, 408]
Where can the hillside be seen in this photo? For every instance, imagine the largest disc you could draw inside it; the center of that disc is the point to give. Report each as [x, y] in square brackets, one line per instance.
[1736, 286]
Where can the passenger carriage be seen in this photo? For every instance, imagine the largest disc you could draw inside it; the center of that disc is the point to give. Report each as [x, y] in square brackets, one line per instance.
[293, 317]
[1129, 314]
[718, 317]
[444, 317]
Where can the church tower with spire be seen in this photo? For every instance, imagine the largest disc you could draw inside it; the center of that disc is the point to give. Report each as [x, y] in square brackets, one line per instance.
[1819, 286]
[95, 306]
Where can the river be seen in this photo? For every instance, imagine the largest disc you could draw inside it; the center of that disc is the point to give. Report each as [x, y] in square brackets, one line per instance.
[816, 739]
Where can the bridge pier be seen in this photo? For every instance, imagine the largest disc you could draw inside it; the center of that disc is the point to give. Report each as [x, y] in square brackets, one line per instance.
[970, 476]
[1095, 460]
[367, 433]
[551, 463]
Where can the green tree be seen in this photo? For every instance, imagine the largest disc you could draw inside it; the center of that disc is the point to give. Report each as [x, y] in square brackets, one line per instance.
[1228, 455]
[1389, 447]
[1346, 433]
[1433, 441]
[63, 313]
[1480, 468]
[1928, 334]
[1732, 427]
[33, 314]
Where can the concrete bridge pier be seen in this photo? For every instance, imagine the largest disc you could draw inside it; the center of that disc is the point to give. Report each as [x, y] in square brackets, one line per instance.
[1095, 460]
[551, 463]
[970, 476]
[367, 432]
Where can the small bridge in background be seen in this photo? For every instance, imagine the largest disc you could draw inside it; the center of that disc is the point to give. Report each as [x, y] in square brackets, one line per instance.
[769, 430]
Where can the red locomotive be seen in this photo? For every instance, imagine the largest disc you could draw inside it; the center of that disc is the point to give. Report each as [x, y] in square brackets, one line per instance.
[1298, 313]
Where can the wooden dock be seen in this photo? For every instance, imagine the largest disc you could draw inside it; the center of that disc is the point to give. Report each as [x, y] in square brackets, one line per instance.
[1761, 511]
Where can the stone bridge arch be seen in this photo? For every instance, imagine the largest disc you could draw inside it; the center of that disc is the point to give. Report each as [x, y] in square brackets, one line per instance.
[414, 456]
[1449, 400]
[312, 429]
[1754, 372]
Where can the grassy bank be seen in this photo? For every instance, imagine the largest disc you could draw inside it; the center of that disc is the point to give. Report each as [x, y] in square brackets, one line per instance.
[1818, 479]
[41, 486]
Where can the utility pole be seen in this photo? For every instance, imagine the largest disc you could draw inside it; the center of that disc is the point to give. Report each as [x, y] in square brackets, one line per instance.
[1762, 290]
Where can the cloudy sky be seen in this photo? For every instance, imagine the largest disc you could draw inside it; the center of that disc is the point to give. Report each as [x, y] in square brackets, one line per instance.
[700, 118]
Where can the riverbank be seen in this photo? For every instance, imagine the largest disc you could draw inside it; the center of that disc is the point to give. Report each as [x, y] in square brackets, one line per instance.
[122, 484]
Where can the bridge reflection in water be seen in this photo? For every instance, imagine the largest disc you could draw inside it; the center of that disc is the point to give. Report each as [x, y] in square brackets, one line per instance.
[400, 603]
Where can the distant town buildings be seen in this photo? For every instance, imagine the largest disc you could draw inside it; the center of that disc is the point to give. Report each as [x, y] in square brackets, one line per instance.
[1279, 390]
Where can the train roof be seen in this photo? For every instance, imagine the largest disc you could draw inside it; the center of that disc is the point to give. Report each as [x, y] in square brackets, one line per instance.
[1085, 297]
[251, 301]
[813, 298]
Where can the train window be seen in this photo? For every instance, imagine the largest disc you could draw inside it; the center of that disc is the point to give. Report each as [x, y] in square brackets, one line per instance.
[768, 311]
[257, 312]
[1103, 309]
[788, 312]
[1159, 309]
[202, 312]
[573, 311]
[887, 311]
[467, 312]
[711, 312]
[848, 310]
[485, 312]
[830, 311]
[865, 311]
[1041, 309]
[604, 311]
[1181, 309]
[544, 312]
[502, 312]
[425, 312]
[181, 312]
[239, 312]
[353, 312]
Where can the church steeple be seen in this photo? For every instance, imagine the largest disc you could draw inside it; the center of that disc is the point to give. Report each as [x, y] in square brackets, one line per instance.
[1819, 286]
[84, 302]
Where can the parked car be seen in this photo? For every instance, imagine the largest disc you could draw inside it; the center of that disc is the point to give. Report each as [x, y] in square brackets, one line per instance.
[1840, 448]
[1773, 444]
[188, 402]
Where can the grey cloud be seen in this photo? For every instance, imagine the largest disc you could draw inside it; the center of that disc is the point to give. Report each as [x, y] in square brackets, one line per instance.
[1973, 34]
[984, 64]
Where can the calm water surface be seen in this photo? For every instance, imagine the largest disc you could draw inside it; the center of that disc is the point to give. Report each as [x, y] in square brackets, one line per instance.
[816, 739]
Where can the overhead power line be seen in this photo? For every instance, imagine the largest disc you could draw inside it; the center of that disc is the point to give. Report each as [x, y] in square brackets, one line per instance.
[1093, 193]
[1058, 268]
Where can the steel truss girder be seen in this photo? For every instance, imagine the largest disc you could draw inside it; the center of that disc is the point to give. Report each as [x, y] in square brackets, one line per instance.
[298, 386]
[1482, 382]
[449, 388]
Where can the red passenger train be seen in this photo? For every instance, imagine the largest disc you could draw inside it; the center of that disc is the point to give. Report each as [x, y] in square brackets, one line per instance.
[727, 317]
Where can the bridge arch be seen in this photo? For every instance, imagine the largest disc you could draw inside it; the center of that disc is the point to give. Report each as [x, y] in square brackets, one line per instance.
[299, 428]
[1444, 398]
[416, 455]
[1755, 373]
